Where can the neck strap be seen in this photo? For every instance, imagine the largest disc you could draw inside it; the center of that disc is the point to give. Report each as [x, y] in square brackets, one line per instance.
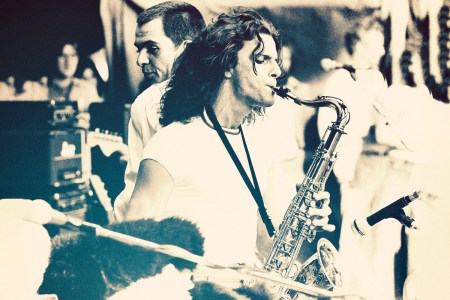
[254, 189]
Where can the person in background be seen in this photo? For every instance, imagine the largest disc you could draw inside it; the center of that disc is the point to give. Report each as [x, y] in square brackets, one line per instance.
[223, 81]
[369, 173]
[300, 89]
[7, 89]
[63, 85]
[23, 89]
[419, 151]
[162, 33]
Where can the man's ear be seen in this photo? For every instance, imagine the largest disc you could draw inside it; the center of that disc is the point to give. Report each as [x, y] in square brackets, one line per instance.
[182, 47]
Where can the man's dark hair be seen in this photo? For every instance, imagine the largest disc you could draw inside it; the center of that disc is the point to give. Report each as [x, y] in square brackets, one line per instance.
[57, 51]
[59, 46]
[200, 69]
[181, 21]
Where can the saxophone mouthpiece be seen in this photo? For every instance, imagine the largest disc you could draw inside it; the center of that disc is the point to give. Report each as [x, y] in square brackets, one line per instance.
[285, 93]
[281, 91]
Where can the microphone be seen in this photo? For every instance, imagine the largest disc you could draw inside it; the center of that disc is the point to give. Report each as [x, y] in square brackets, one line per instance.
[35, 211]
[329, 65]
[394, 210]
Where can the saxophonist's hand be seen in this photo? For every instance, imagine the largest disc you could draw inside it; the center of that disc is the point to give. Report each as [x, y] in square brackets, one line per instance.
[319, 216]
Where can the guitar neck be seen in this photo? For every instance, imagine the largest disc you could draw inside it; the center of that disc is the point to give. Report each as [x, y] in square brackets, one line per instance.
[98, 186]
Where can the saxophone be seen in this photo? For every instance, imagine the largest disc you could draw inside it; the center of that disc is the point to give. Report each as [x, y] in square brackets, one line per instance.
[296, 226]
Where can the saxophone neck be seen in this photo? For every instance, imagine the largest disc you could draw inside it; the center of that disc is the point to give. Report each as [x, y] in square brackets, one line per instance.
[343, 115]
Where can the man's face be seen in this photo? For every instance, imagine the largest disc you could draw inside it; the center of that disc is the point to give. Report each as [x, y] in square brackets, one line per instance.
[256, 89]
[67, 62]
[156, 51]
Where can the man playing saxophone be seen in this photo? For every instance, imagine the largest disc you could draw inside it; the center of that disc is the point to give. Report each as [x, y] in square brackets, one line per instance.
[209, 163]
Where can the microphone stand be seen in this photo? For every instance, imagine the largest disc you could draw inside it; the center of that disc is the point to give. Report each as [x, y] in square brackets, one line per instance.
[98, 231]
[175, 251]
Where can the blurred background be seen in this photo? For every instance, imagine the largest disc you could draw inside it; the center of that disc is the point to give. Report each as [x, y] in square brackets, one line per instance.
[36, 132]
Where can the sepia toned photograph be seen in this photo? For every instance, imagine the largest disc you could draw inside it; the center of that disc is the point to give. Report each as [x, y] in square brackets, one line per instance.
[206, 149]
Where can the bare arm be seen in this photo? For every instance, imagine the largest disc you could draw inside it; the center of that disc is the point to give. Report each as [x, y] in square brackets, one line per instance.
[152, 191]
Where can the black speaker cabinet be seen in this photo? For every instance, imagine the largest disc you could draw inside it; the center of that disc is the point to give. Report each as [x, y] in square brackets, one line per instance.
[33, 161]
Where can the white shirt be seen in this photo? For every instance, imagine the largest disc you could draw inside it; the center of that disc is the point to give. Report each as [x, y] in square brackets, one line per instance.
[144, 122]
[208, 188]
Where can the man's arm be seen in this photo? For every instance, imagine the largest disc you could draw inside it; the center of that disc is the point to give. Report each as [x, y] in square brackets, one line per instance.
[141, 128]
[135, 147]
[152, 191]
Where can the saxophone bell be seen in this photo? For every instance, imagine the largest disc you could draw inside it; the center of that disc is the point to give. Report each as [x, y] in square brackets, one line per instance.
[322, 268]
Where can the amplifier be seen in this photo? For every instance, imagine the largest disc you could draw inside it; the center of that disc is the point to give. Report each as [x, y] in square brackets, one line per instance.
[65, 156]
[32, 161]
[38, 114]
[73, 197]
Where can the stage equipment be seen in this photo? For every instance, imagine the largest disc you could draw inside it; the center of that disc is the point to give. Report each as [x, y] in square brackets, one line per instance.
[42, 153]
[40, 212]
[394, 210]
[296, 225]
[38, 115]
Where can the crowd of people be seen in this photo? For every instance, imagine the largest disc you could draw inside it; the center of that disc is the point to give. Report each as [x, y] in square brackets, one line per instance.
[66, 82]
[210, 142]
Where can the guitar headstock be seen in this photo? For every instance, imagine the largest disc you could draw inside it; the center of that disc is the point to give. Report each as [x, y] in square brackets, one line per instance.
[107, 141]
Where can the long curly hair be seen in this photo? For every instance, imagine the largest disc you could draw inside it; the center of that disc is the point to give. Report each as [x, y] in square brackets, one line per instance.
[199, 71]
